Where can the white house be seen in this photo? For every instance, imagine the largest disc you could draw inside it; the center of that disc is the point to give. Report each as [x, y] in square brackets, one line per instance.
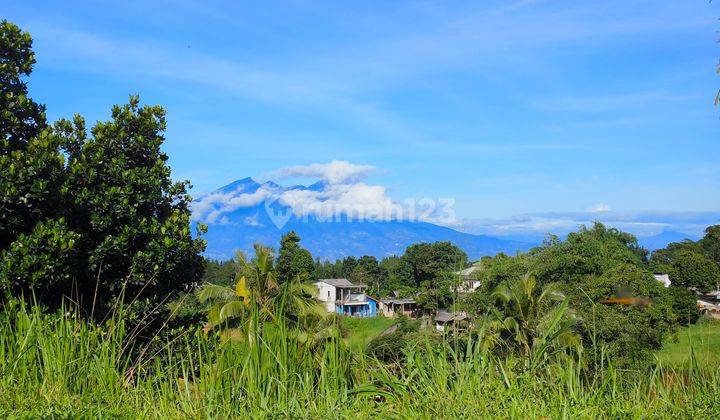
[343, 297]
[469, 283]
[663, 278]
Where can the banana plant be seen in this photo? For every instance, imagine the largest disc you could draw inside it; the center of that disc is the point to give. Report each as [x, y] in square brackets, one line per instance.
[537, 322]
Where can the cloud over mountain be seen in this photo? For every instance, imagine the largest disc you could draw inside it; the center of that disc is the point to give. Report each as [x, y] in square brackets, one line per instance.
[334, 172]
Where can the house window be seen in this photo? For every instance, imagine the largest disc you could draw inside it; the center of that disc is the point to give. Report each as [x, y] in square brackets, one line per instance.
[328, 294]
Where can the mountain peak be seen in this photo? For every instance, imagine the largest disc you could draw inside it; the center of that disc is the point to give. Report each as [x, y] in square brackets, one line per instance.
[240, 185]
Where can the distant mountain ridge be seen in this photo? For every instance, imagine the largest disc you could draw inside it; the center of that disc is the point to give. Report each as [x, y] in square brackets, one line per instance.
[244, 212]
[661, 240]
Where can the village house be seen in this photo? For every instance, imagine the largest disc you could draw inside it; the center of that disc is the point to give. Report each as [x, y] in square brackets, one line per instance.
[396, 307]
[346, 298]
[468, 280]
[663, 278]
[451, 321]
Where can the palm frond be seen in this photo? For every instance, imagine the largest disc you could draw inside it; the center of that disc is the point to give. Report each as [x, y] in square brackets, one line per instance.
[211, 291]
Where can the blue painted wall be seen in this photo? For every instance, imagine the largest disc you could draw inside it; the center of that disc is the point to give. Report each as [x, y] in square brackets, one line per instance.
[372, 306]
[371, 309]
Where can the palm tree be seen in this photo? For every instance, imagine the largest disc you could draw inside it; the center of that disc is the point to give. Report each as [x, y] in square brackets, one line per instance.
[257, 299]
[537, 322]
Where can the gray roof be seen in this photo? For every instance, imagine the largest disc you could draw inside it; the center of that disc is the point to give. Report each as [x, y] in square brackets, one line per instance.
[445, 316]
[341, 283]
[398, 301]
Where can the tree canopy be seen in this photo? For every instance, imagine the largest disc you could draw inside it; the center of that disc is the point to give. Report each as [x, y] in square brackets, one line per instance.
[293, 260]
[91, 217]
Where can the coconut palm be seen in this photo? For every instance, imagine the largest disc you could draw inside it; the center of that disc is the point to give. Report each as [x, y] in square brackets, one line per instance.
[535, 321]
[257, 298]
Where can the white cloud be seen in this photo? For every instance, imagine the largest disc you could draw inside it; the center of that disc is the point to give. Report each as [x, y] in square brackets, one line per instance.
[335, 172]
[359, 200]
[342, 195]
[640, 223]
[599, 208]
[209, 208]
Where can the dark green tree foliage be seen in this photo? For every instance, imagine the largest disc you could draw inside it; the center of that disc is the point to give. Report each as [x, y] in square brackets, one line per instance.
[219, 272]
[592, 265]
[367, 271]
[630, 333]
[31, 185]
[429, 260]
[348, 266]
[586, 252]
[694, 270]
[135, 221]
[20, 117]
[661, 260]
[293, 260]
[494, 271]
[436, 294]
[328, 270]
[100, 213]
[684, 304]
[30, 163]
[597, 263]
[43, 260]
[710, 243]
[397, 274]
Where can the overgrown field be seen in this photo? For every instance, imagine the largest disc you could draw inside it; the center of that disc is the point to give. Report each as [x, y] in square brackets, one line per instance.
[699, 343]
[55, 366]
[360, 331]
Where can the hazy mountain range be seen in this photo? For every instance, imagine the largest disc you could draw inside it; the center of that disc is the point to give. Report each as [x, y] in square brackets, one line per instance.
[246, 212]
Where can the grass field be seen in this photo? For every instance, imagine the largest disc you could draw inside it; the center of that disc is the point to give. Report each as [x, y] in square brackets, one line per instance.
[701, 340]
[362, 330]
[54, 366]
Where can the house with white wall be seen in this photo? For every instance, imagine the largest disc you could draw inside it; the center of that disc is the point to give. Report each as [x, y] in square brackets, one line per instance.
[346, 298]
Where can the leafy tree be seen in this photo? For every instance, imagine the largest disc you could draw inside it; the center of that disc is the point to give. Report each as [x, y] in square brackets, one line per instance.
[494, 271]
[430, 260]
[39, 261]
[219, 272]
[684, 304]
[105, 201]
[436, 294]
[589, 251]
[397, 273]
[21, 118]
[328, 270]
[630, 334]
[367, 271]
[134, 220]
[31, 166]
[591, 265]
[31, 184]
[710, 243]
[693, 270]
[293, 260]
[662, 259]
[348, 266]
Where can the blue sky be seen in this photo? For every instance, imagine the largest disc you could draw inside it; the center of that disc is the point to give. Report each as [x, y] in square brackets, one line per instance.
[518, 111]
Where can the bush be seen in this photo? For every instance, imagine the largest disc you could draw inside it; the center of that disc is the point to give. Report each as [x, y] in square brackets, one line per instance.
[684, 304]
[388, 348]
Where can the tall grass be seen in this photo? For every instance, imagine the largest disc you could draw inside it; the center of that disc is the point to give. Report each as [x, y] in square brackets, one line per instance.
[59, 366]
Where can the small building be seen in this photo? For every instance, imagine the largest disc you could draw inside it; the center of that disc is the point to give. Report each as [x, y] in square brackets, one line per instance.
[663, 278]
[468, 282]
[396, 307]
[451, 321]
[708, 310]
[346, 298]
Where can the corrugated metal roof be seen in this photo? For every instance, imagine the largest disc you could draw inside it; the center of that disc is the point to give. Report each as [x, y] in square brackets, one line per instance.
[341, 283]
[445, 316]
